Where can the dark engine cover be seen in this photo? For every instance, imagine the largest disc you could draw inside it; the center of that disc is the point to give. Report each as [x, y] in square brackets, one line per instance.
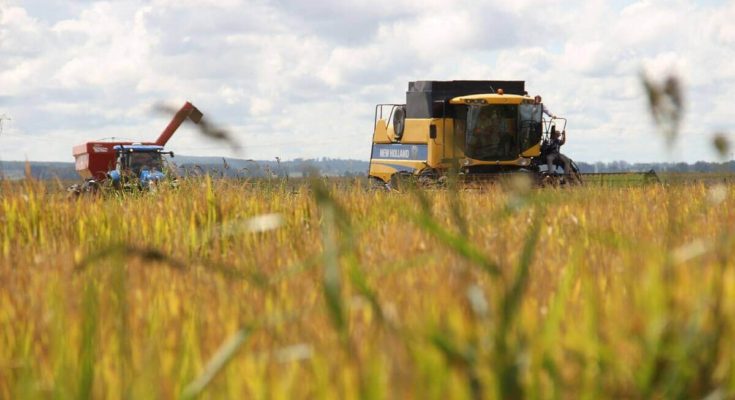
[429, 99]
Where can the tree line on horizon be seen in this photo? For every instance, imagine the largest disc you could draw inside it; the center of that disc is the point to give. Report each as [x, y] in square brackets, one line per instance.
[235, 168]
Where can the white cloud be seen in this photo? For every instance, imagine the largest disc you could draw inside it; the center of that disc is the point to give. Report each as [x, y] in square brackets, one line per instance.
[113, 46]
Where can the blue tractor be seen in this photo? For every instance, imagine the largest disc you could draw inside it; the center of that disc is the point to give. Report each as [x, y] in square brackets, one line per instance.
[138, 166]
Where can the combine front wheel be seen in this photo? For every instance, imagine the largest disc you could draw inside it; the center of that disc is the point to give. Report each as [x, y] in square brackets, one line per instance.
[377, 184]
[576, 176]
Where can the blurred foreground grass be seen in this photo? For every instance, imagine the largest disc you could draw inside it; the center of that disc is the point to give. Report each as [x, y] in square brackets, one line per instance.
[222, 290]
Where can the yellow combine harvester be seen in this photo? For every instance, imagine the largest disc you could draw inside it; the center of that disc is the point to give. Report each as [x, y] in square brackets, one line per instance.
[477, 128]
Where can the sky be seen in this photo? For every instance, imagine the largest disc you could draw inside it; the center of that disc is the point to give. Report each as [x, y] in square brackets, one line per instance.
[300, 79]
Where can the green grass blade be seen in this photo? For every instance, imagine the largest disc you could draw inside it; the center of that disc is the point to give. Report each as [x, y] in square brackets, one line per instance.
[224, 354]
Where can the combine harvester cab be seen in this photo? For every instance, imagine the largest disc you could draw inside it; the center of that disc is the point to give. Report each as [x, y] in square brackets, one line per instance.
[480, 129]
[121, 163]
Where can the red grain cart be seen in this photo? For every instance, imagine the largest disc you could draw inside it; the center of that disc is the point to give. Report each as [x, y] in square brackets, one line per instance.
[94, 160]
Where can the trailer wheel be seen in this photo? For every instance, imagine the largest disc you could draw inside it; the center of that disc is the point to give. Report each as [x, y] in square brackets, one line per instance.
[74, 191]
[90, 186]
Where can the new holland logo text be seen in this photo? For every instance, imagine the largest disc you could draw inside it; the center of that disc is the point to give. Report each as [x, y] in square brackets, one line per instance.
[395, 153]
[402, 152]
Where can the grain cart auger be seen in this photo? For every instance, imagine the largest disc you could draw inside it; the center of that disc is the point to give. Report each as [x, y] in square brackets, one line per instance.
[481, 129]
[127, 164]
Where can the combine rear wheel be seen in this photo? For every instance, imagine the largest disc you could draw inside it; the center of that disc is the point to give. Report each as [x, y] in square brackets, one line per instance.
[430, 177]
[400, 181]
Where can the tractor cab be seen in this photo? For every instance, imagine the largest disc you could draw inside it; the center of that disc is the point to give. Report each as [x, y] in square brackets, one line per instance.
[142, 164]
[498, 127]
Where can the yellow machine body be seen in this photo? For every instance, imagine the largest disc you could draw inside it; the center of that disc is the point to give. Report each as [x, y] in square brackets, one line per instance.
[452, 131]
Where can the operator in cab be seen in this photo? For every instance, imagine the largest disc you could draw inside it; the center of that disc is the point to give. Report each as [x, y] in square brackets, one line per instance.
[537, 101]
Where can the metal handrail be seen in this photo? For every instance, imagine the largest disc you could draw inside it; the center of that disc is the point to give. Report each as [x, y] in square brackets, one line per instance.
[547, 123]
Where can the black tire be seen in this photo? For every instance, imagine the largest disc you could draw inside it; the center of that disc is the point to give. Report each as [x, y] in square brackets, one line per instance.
[90, 186]
[377, 184]
[576, 175]
[74, 191]
[401, 180]
[428, 177]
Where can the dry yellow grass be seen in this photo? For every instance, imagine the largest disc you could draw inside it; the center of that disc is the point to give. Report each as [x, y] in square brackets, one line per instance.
[344, 293]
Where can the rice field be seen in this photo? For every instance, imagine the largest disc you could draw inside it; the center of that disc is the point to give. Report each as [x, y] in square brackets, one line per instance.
[224, 289]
